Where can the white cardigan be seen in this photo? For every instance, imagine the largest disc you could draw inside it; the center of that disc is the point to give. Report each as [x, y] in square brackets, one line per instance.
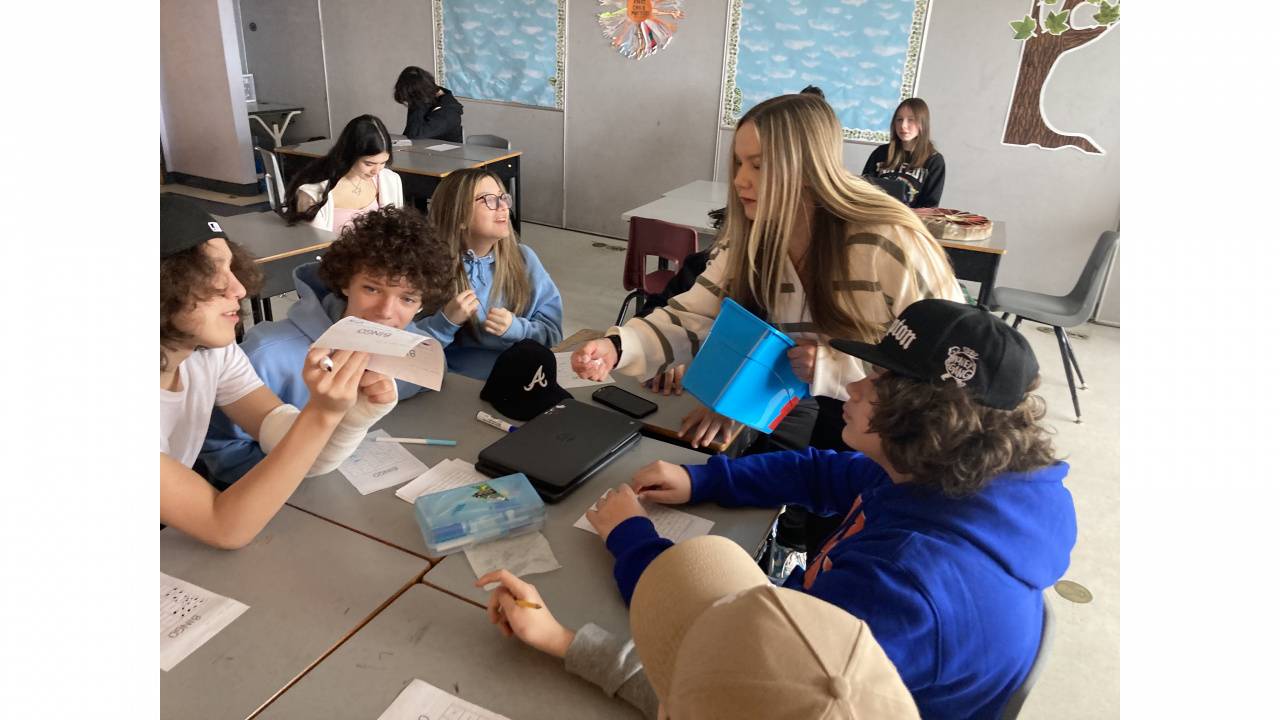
[390, 192]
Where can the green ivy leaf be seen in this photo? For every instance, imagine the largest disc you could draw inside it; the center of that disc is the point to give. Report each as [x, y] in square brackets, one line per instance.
[1108, 14]
[1056, 24]
[1024, 28]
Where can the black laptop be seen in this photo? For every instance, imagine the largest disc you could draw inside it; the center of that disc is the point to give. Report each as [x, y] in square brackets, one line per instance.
[561, 448]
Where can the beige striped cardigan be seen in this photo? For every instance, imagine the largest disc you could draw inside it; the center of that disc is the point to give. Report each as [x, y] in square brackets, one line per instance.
[671, 336]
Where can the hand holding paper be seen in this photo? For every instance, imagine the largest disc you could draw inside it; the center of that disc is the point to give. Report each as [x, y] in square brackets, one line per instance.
[398, 353]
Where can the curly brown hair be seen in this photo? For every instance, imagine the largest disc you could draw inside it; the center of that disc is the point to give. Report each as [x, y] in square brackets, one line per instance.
[942, 437]
[186, 279]
[397, 245]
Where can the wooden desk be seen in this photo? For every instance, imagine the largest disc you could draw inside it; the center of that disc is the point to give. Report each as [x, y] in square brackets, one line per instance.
[276, 131]
[278, 248]
[978, 261]
[308, 584]
[420, 169]
[449, 643]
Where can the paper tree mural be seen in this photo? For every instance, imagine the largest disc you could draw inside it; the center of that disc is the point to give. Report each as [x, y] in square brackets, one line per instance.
[636, 27]
[1046, 36]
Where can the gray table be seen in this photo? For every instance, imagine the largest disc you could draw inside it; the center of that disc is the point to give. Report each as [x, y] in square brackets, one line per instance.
[428, 635]
[583, 590]
[308, 583]
[279, 250]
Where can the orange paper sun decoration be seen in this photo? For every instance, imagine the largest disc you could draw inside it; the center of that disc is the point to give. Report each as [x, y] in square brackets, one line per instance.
[636, 27]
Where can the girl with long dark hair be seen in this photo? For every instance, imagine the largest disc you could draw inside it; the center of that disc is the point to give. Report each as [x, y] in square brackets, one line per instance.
[352, 179]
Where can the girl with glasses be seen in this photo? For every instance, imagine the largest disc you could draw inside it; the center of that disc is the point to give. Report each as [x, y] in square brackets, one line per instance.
[501, 294]
[352, 179]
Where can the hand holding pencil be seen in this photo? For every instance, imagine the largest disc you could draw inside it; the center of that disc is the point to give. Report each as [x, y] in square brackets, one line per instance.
[517, 609]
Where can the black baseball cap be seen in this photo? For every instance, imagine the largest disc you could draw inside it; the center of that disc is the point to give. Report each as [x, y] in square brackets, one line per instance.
[522, 384]
[184, 225]
[937, 341]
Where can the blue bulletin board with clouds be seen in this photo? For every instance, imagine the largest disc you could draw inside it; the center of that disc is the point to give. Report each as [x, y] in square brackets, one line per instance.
[864, 54]
[503, 50]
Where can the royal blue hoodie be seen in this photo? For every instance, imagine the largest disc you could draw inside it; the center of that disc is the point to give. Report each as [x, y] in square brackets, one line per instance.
[540, 320]
[276, 350]
[951, 588]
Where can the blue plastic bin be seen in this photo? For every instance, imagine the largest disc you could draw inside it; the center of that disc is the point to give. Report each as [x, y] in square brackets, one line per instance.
[742, 371]
[461, 518]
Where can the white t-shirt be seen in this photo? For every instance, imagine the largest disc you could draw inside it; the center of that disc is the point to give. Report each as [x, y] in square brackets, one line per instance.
[215, 376]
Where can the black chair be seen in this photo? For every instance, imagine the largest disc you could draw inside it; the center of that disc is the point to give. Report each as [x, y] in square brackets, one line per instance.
[1064, 311]
[1020, 694]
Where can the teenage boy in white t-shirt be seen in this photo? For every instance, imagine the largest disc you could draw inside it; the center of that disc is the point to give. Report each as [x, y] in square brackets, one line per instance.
[203, 277]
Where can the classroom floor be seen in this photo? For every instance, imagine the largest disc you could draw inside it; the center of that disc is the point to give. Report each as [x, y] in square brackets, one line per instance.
[1082, 678]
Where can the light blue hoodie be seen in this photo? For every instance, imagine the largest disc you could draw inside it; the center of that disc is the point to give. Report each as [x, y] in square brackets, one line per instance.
[276, 350]
[540, 321]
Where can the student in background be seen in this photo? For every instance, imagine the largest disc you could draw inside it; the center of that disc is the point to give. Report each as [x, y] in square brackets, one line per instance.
[717, 642]
[433, 111]
[808, 246]
[353, 178]
[813, 90]
[500, 293]
[909, 158]
[203, 277]
[956, 518]
[386, 267]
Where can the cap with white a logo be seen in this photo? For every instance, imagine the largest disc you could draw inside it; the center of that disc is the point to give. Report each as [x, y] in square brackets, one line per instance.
[522, 383]
[940, 341]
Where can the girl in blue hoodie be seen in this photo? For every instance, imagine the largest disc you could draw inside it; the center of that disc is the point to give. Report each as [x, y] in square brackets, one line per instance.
[955, 515]
[501, 293]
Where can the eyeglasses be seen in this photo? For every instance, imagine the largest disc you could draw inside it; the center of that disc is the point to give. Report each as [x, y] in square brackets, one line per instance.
[491, 201]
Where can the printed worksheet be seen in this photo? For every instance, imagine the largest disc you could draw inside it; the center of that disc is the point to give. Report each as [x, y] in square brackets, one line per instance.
[424, 701]
[401, 354]
[567, 378]
[446, 475]
[442, 147]
[674, 525]
[189, 616]
[378, 465]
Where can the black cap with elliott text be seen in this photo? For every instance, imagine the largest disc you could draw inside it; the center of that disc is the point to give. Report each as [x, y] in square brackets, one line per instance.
[940, 341]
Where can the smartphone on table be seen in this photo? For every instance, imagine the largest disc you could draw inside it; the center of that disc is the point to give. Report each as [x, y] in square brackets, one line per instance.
[624, 402]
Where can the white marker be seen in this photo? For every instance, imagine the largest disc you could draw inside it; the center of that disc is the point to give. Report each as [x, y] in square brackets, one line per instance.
[417, 441]
[326, 363]
[488, 419]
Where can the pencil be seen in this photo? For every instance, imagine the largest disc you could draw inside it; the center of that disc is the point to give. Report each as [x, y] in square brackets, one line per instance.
[417, 441]
[527, 604]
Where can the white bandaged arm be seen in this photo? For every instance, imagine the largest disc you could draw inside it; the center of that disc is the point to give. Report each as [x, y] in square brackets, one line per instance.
[346, 436]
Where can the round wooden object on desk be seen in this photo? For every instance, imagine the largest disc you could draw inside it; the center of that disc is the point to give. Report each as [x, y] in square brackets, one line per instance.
[954, 224]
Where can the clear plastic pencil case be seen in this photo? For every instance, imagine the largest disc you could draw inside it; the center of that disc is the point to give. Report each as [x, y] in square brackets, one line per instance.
[457, 519]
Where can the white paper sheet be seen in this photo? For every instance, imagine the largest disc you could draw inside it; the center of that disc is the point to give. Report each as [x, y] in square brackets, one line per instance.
[402, 142]
[424, 700]
[446, 475]
[567, 378]
[674, 525]
[375, 466]
[401, 354]
[521, 555]
[442, 146]
[189, 616]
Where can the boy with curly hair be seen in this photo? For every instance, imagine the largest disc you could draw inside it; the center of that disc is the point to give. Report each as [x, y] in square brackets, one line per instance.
[955, 514]
[387, 267]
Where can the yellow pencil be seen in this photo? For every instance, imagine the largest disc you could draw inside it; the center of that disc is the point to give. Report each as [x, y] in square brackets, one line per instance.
[527, 604]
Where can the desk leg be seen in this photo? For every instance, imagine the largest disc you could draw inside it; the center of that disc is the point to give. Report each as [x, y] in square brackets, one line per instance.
[266, 309]
[255, 304]
[509, 171]
[276, 131]
[989, 282]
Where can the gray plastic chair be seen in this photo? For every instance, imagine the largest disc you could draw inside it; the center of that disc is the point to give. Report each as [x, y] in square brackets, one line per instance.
[488, 141]
[1019, 695]
[275, 183]
[1062, 311]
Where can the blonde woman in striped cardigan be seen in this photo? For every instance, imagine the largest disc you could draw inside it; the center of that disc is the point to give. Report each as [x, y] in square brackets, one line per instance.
[815, 250]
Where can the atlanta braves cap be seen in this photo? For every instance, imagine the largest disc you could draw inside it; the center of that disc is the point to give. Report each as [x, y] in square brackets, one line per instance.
[183, 225]
[940, 341]
[522, 384]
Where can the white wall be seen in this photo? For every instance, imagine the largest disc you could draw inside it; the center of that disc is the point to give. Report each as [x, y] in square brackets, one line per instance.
[204, 124]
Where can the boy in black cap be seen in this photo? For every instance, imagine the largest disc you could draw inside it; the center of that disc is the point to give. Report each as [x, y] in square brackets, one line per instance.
[956, 518]
[203, 277]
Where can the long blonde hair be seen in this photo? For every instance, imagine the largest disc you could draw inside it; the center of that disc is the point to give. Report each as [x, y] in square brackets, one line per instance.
[452, 206]
[801, 144]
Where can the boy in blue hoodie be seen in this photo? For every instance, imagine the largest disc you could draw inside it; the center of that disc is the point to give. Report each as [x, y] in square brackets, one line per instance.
[385, 268]
[956, 518]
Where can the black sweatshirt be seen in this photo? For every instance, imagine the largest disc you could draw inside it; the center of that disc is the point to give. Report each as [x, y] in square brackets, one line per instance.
[442, 120]
[924, 185]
